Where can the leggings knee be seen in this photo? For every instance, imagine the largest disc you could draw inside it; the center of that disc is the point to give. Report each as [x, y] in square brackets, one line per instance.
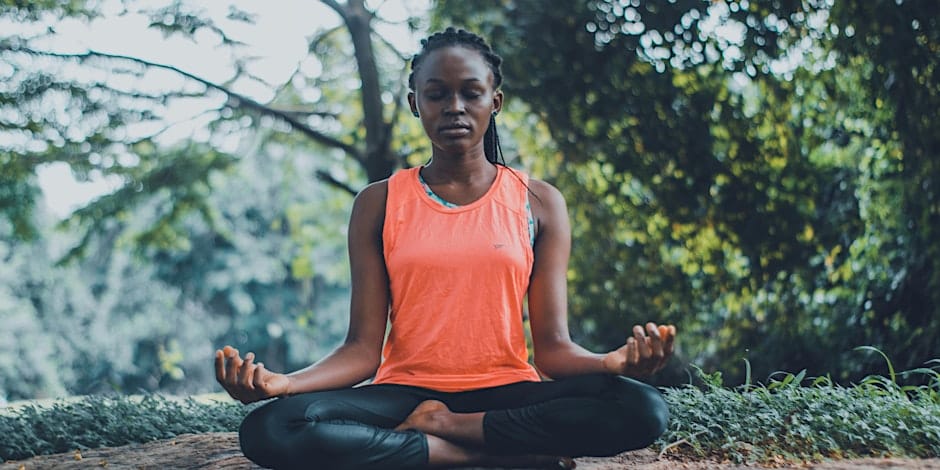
[283, 435]
[647, 412]
[255, 438]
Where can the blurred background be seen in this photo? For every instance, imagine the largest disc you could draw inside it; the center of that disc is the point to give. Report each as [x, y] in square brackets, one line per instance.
[177, 175]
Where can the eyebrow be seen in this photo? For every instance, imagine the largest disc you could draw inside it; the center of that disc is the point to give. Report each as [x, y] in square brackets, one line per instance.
[442, 81]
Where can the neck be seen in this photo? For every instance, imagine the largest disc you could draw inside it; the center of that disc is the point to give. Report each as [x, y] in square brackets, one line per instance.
[464, 168]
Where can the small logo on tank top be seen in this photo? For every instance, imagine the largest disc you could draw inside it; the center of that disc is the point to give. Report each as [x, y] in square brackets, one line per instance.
[498, 245]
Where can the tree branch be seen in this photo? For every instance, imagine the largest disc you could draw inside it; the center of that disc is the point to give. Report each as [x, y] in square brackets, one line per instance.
[305, 113]
[239, 99]
[315, 42]
[394, 49]
[324, 176]
[339, 9]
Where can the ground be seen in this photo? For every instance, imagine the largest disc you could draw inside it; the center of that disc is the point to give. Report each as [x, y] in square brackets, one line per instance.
[219, 451]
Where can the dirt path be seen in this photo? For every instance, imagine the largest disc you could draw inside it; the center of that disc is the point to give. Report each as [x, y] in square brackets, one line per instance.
[219, 451]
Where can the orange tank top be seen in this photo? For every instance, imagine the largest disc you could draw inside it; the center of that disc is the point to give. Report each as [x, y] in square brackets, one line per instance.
[458, 277]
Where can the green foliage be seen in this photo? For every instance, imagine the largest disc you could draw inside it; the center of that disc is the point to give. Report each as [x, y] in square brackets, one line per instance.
[99, 421]
[770, 192]
[34, 9]
[773, 192]
[130, 316]
[794, 418]
[229, 235]
[105, 324]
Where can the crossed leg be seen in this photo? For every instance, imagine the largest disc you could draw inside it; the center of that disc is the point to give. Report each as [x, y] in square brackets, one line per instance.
[394, 426]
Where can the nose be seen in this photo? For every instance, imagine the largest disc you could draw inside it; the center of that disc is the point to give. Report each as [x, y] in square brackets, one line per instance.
[455, 105]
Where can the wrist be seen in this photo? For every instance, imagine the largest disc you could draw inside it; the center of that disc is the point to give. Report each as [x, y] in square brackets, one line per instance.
[611, 364]
[291, 386]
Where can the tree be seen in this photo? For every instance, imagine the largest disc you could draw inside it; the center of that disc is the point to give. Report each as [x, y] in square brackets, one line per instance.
[893, 47]
[226, 225]
[708, 180]
[96, 131]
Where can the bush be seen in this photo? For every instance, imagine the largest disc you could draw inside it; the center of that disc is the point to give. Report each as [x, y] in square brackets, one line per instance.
[99, 421]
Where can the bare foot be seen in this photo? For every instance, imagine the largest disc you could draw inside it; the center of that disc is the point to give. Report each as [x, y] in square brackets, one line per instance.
[455, 439]
[426, 417]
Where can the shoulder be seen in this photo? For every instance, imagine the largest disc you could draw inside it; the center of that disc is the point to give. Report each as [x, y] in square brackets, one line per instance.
[546, 197]
[548, 208]
[369, 205]
[373, 193]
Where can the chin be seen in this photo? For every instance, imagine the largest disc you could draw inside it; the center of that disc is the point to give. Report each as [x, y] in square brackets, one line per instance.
[458, 145]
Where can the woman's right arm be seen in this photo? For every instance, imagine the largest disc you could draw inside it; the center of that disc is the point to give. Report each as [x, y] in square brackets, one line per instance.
[358, 357]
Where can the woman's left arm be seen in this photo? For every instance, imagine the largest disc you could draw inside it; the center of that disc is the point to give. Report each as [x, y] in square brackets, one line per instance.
[556, 355]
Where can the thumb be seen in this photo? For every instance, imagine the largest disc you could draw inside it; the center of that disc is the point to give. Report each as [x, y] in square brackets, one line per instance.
[260, 375]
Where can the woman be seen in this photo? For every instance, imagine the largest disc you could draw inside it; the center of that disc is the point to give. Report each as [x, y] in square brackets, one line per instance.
[446, 253]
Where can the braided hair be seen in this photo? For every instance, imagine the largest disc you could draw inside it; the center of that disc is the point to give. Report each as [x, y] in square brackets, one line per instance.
[451, 37]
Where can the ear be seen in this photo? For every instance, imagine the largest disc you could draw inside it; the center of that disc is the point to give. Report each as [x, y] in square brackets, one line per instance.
[497, 101]
[412, 101]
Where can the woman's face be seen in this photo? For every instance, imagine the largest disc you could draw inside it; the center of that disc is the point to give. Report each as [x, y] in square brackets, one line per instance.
[454, 97]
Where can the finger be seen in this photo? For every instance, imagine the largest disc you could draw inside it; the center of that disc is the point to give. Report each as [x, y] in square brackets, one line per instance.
[633, 355]
[656, 342]
[246, 371]
[219, 366]
[234, 362]
[638, 332]
[248, 383]
[642, 342]
[258, 379]
[669, 345]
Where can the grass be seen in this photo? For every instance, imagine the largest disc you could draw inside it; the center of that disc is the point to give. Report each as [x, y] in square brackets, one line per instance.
[793, 418]
[798, 419]
[100, 421]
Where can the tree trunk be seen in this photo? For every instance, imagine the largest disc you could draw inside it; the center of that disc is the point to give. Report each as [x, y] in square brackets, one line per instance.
[378, 159]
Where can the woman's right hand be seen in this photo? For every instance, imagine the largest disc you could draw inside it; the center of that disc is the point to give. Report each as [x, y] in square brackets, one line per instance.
[246, 381]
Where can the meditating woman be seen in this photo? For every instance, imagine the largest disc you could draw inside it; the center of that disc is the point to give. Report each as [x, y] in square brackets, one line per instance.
[446, 254]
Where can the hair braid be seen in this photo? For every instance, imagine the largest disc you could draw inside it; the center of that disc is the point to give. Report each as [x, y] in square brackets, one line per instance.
[451, 37]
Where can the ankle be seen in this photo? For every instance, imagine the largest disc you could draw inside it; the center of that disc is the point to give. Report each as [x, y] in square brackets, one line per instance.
[438, 422]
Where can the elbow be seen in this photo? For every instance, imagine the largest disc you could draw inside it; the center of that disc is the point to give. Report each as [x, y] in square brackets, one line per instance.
[556, 358]
[547, 366]
[367, 359]
[371, 368]
[360, 357]
[545, 370]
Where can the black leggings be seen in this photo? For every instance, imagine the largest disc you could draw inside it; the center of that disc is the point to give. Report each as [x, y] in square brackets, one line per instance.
[597, 415]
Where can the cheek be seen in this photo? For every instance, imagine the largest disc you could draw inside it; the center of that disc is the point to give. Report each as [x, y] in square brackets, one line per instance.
[427, 108]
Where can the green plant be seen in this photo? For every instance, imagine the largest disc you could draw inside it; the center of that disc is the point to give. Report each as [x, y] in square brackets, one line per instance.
[98, 421]
[795, 418]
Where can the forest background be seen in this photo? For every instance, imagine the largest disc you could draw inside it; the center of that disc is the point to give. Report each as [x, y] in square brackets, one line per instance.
[763, 174]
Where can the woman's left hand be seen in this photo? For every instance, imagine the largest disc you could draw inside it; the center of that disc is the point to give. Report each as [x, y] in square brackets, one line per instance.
[645, 353]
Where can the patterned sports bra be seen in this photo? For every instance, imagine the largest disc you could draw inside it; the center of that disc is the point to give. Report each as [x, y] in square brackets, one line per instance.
[432, 195]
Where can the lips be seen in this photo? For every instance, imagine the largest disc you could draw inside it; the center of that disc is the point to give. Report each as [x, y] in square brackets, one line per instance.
[458, 129]
[455, 125]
